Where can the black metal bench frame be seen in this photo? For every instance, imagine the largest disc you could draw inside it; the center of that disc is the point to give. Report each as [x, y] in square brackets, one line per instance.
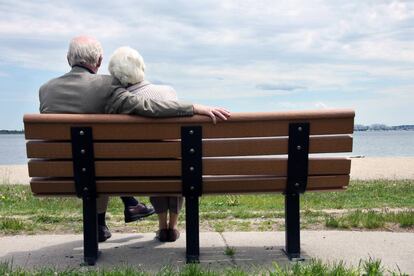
[191, 153]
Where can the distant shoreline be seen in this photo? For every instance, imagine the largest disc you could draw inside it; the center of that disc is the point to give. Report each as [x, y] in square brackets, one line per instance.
[381, 130]
[382, 127]
[3, 131]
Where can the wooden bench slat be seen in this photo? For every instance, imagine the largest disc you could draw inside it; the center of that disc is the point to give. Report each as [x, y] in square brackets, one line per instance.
[172, 149]
[112, 150]
[211, 166]
[161, 131]
[273, 166]
[212, 185]
[274, 146]
[235, 117]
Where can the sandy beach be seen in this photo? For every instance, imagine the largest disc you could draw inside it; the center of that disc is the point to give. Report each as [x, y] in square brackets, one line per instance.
[361, 168]
[382, 168]
[14, 174]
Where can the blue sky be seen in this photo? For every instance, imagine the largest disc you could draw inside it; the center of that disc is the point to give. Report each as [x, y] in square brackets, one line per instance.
[243, 55]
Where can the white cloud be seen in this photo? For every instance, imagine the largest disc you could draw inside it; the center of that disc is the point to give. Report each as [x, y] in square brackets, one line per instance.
[403, 92]
[53, 20]
[44, 59]
[321, 105]
[332, 30]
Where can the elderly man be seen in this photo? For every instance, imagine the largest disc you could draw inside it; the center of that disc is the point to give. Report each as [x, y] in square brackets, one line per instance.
[82, 90]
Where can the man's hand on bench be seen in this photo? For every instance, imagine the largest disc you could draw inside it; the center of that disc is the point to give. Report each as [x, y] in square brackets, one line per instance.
[212, 112]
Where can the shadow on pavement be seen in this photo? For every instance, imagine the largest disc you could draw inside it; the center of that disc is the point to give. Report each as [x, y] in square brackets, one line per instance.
[143, 251]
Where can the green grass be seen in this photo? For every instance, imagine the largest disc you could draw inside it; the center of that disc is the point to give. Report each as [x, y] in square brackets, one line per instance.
[230, 251]
[370, 219]
[20, 212]
[372, 267]
[405, 219]
[360, 194]
[17, 199]
[219, 226]
[11, 225]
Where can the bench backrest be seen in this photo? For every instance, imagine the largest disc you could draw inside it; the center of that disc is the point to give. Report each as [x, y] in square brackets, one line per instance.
[136, 155]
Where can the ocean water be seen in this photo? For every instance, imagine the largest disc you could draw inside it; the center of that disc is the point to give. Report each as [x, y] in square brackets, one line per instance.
[383, 143]
[12, 149]
[366, 143]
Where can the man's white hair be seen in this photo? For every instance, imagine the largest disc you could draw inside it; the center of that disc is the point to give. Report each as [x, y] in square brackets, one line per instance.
[84, 50]
[127, 65]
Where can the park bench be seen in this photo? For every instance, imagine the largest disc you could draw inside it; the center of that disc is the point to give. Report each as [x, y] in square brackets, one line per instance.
[86, 155]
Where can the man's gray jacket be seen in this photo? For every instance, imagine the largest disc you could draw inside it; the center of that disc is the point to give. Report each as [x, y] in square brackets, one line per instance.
[81, 91]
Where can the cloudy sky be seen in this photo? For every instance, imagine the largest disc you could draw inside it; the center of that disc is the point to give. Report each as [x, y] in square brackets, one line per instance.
[244, 55]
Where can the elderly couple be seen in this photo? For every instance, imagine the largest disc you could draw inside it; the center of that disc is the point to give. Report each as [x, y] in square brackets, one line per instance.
[126, 91]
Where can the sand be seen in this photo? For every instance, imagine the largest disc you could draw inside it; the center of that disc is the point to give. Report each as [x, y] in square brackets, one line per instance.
[362, 168]
[14, 174]
[382, 168]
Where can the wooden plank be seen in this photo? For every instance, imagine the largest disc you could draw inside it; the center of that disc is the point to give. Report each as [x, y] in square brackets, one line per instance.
[169, 131]
[121, 150]
[172, 149]
[272, 184]
[273, 166]
[212, 185]
[108, 168]
[273, 146]
[235, 117]
[127, 128]
[211, 166]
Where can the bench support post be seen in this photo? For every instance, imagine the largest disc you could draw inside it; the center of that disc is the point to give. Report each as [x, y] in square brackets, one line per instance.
[192, 173]
[298, 153]
[292, 226]
[192, 229]
[84, 175]
[90, 230]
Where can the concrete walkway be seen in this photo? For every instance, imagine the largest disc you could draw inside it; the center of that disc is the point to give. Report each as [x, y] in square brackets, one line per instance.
[251, 249]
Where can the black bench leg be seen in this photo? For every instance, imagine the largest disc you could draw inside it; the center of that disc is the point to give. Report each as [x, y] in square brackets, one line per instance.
[90, 230]
[292, 222]
[192, 229]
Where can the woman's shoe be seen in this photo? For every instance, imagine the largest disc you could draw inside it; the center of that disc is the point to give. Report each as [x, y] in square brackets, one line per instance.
[162, 235]
[173, 235]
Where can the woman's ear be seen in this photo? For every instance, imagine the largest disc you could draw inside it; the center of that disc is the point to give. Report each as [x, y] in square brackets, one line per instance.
[99, 62]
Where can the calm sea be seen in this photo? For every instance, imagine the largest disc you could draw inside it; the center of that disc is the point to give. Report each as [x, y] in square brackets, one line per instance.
[366, 143]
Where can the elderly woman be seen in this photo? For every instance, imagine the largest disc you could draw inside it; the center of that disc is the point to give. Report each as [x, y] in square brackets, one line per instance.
[127, 65]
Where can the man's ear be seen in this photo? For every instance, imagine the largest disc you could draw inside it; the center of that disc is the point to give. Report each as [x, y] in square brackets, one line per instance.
[68, 61]
[99, 62]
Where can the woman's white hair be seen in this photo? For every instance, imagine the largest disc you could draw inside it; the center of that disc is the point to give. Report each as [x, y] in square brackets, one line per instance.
[84, 50]
[127, 65]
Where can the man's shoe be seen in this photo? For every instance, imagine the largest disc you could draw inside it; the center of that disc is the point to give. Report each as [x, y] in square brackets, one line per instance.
[133, 213]
[103, 233]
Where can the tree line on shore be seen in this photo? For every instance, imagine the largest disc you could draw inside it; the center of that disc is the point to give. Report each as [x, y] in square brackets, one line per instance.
[5, 131]
[377, 127]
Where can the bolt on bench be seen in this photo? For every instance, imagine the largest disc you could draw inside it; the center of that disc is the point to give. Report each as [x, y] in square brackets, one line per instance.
[86, 155]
